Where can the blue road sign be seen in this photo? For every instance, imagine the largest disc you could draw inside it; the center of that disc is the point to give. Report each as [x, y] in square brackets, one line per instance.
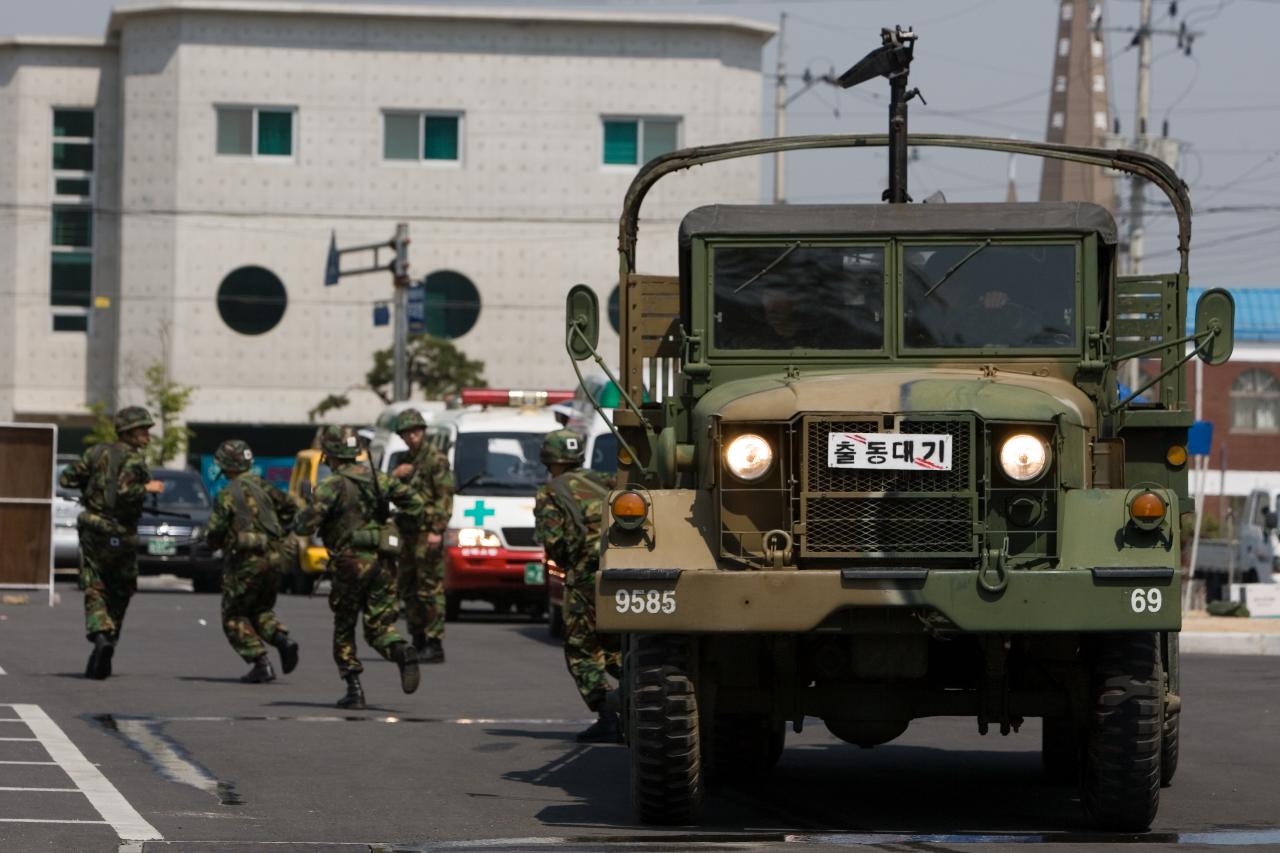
[331, 273]
[417, 309]
[381, 314]
[1200, 438]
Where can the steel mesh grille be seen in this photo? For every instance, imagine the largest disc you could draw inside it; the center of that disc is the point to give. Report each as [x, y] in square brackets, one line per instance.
[920, 525]
[824, 479]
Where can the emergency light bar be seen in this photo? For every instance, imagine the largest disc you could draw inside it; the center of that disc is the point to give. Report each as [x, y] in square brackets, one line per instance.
[512, 397]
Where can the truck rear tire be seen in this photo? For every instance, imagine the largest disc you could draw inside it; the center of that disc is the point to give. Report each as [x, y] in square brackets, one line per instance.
[1121, 778]
[663, 732]
[745, 745]
[1060, 750]
[1169, 749]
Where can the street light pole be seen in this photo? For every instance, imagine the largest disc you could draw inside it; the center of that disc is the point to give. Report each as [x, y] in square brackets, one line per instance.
[400, 271]
[780, 109]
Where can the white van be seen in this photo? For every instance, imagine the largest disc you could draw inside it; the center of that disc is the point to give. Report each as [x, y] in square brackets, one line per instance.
[490, 552]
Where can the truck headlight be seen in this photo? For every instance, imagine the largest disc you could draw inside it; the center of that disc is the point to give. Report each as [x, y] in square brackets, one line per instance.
[474, 537]
[748, 457]
[1024, 457]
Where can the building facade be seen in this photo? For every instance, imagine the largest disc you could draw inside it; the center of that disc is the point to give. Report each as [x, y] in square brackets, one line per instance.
[168, 193]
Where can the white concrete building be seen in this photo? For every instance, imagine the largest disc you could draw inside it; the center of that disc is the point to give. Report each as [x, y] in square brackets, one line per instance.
[169, 191]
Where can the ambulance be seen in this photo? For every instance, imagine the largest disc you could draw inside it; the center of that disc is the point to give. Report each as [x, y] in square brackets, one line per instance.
[493, 441]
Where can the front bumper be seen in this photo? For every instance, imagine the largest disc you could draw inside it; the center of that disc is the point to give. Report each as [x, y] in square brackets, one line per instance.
[1034, 601]
[190, 557]
[483, 572]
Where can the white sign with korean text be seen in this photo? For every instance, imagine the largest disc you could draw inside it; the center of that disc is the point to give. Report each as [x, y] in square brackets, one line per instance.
[889, 451]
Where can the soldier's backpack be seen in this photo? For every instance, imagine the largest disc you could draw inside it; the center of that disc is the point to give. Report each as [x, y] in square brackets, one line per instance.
[570, 488]
[386, 539]
[106, 483]
[255, 531]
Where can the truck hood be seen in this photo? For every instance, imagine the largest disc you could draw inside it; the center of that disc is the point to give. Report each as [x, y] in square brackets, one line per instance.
[999, 396]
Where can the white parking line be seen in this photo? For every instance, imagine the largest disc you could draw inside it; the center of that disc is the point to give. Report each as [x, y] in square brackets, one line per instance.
[20, 738]
[48, 790]
[104, 797]
[47, 820]
[2, 672]
[51, 763]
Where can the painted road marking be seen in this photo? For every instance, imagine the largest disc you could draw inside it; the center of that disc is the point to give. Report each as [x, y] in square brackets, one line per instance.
[104, 797]
[48, 820]
[19, 738]
[2, 672]
[50, 763]
[50, 790]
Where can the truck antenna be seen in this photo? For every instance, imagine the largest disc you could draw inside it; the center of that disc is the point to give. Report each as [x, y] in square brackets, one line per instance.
[893, 60]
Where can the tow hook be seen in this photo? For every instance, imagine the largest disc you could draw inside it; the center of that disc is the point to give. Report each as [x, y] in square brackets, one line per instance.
[993, 576]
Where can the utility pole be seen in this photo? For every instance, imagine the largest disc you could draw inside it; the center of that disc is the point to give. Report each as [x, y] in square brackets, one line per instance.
[780, 109]
[399, 269]
[1138, 186]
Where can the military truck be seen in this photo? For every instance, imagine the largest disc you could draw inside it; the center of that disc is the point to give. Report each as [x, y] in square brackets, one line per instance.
[875, 467]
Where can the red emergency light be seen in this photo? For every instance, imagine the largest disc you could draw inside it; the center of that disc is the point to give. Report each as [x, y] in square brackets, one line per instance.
[512, 397]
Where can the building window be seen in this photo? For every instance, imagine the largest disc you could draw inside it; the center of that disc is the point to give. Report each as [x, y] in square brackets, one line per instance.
[71, 219]
[451, 304]
[251, 300]
[416, 136]
[632, 141]
[1255, 402]
[255, 131]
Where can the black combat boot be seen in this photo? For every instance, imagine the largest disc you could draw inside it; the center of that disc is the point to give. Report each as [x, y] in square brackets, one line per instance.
[99, 666]
[606, 729]
[288, 652]
[354, 700]
[419, 642]
[261, 672]
[407, 659]
[434, 652]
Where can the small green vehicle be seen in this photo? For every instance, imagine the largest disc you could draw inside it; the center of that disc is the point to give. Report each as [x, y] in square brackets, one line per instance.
[877, 465]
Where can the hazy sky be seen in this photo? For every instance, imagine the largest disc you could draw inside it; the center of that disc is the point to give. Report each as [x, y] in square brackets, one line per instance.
[984, 67]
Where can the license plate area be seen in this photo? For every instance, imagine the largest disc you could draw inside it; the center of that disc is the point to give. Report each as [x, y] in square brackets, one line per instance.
[534, 574]
[162, 546]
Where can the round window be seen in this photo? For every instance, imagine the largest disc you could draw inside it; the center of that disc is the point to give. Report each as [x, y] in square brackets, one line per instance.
[251, 300]
[615, 299]
[451, 303]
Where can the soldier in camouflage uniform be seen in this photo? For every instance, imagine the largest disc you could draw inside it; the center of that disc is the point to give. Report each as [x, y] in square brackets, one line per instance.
[421, 578]
[567, 518]
[348, 510]
[113, 480]
[249, 523]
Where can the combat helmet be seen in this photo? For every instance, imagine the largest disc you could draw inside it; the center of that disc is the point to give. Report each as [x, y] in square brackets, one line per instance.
[562, 446]
[132, 417]
[233, 456]
[410, 419]
[339, 443]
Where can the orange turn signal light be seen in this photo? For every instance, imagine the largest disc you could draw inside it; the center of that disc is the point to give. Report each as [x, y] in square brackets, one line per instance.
[1147, 509]
[1176, 456]
[629, 509]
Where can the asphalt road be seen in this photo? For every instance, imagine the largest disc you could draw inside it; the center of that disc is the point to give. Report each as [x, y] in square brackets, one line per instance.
[484, 752]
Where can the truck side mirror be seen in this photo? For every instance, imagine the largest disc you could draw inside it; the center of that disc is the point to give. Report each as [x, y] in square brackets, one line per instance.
[582, 322]
[1216, 311]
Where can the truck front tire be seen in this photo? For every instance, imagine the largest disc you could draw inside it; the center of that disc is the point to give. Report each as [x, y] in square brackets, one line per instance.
[663, 732]
[1121, 778]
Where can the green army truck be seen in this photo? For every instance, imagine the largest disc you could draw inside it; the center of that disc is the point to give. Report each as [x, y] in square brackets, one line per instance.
[877, 464]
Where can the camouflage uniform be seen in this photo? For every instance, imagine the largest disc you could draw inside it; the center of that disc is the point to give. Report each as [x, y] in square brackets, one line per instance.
[112, 479]
[249, 522]
[421, 577]
[567, 522]
[343, 509]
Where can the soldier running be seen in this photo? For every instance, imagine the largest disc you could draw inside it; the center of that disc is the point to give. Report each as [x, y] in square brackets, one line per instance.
[249, 523]
[420, 581]
[349, 511]
[114, 480]
[567, 517]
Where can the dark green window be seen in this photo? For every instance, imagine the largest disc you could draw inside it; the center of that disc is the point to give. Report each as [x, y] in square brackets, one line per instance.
[71, 186]
[77, 123]
[400, 136]
[71, 279]
[275, 133]
[73, 156]
[71, 322]
[451, 304]
[439, 137]
[72, 226]
[630, 142]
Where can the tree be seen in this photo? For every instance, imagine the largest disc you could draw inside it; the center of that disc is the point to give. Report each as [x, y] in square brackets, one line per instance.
[103, 431]
[436, 369]
[166, 401]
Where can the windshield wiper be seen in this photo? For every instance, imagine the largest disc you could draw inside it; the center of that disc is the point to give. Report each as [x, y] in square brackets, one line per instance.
[946, 275]
[769, 266]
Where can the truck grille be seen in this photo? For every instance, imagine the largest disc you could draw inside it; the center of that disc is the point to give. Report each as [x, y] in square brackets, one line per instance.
[861, 513]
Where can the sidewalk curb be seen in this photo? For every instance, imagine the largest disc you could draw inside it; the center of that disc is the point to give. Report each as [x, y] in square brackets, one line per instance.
[1228, 643]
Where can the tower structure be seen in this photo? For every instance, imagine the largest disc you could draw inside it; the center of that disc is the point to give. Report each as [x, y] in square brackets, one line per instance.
[1078, 105]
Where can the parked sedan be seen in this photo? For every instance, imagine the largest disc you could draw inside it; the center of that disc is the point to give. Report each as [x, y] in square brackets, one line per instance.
[171, 531]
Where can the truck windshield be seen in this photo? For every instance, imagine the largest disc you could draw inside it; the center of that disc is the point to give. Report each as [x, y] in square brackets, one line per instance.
[787, 297]
[498, 463]
[985, 295]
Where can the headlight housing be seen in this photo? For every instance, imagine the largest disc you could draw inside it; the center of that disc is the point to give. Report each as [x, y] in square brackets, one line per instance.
[748, 457]
[1024, 457]
[473, 537]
